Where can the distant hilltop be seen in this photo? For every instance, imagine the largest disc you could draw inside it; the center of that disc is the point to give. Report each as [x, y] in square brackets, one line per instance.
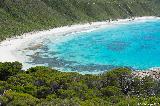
[19, 16]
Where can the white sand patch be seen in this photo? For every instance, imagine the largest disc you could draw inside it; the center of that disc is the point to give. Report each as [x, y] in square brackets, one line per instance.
[10, 47]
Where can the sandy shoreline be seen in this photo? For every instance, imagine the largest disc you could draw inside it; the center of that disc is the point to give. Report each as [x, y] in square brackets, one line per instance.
[9, 47]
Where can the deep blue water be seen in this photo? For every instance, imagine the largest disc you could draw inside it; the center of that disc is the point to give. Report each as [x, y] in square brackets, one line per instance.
[135, 45]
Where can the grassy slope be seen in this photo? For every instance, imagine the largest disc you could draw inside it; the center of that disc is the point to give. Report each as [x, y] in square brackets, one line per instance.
[19, 16]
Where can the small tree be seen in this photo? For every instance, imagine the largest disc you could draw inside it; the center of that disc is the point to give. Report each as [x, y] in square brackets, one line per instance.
[111, 91]
[8, 69]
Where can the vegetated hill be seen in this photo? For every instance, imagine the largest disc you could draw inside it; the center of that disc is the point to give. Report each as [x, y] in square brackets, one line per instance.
[19, 16]
[42, 86]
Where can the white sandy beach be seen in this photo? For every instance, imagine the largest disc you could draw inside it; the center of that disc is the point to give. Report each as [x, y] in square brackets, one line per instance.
[10, 47]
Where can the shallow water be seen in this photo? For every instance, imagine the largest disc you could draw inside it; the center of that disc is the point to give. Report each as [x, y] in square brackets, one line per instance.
[135, 45]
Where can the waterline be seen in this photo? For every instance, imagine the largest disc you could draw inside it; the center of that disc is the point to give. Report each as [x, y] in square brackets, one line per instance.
[60, 36]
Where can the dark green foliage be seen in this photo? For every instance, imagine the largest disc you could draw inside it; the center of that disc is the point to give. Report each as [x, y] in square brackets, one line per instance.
[18, 99]
[43, 86]
[9, 69]
[19, 16]
[111, 91]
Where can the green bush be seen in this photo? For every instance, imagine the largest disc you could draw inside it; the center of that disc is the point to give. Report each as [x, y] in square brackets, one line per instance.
[111, 91]
[44, 86]
[9, 69]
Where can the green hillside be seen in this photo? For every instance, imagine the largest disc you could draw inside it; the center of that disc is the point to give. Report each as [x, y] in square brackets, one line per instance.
[19, 16]
[42, 86]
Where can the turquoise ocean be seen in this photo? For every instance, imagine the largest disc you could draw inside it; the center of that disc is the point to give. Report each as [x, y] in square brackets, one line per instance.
[134, 44]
